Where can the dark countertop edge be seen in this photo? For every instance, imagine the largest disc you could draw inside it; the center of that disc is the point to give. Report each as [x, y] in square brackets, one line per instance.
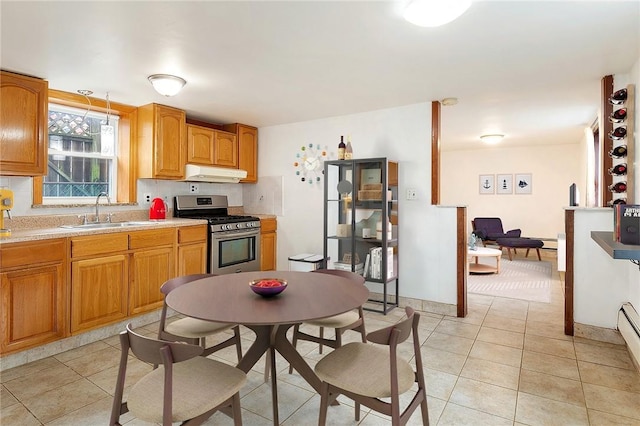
[615, 249]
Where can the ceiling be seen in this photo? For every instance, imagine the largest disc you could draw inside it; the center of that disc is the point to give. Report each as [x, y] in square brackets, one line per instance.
[530, 70]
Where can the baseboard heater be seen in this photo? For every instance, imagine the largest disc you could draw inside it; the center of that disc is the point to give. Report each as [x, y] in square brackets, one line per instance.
[629, 327]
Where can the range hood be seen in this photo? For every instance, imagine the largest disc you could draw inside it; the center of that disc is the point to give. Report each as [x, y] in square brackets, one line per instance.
[196, 173]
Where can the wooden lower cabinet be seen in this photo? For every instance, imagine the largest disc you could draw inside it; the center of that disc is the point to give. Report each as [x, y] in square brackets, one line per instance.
[192, 250]
[98, 291]
[51, 289]
[33, 294]
[149, 270]
[268, 245]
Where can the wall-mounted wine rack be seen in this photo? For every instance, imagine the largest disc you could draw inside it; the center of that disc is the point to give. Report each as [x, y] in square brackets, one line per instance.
[620, 186]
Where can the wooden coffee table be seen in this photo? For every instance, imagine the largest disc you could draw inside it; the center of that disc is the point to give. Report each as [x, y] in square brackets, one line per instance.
[228, 299]
[480, 268]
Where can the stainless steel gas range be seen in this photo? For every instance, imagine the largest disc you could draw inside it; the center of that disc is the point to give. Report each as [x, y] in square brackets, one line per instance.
[234, 241]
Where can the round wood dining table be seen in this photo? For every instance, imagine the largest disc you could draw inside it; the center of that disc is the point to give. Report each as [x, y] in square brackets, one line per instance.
[228, 299]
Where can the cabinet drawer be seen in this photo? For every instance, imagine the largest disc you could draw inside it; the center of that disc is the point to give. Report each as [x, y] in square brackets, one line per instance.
[192, 234]
[268, 225]
[99, 244]
[153, 238]
[24, 254]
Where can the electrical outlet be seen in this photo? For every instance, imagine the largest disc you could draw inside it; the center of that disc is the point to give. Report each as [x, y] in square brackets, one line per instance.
[147, 198]
[194, 188]
[412, 194]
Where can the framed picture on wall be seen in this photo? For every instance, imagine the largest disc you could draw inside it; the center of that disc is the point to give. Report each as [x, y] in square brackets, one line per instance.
[523, 183]
[504, 184]
[487, 184]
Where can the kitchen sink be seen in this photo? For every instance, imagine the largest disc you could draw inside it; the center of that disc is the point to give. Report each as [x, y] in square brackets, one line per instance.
[103, 225]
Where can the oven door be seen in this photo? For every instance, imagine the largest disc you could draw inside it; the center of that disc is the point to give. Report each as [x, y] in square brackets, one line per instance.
[234, 251]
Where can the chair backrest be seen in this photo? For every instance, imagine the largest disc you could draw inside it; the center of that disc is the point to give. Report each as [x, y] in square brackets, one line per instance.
[356, 278]
[153, 352]
[176, 282]
[398, 332]
[149, 350]
[488, 225]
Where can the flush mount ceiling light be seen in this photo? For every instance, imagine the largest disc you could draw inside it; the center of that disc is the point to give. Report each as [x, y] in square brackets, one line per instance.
[449, 101]
[433, 13]
[491, 139]
[166, 84]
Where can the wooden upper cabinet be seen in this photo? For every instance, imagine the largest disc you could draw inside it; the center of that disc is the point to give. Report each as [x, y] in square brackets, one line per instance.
[211, 147]
[225, 150]
[161, 138]
[23, 129]
[200, 142]
[247, 149]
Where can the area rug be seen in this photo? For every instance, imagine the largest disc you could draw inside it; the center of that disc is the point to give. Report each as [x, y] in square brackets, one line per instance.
[518, 279]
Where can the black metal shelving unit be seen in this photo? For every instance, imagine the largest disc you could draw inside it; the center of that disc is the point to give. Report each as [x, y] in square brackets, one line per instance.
[360, 224]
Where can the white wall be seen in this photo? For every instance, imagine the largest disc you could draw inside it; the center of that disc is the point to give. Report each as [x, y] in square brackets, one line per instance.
[601, 284]
[540, 214]
[426, 233]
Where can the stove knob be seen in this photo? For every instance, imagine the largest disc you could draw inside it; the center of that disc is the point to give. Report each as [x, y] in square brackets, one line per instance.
[238, 225]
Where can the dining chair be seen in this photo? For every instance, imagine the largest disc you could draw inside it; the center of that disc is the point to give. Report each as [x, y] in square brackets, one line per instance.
[187, 388]
[367, 373]
[351, 320]
[193, 330]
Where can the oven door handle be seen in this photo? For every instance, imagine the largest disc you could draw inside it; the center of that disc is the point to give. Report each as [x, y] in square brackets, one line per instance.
[234, 234]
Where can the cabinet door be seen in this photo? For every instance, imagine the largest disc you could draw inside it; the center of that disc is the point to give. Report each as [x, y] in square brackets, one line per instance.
[248, 152]
[169, 142]
[200, 142]
[23, 114]
[149, 270]
[98, 291]
[225, 150]
[192, 259]
[268, 244]
[33, 307]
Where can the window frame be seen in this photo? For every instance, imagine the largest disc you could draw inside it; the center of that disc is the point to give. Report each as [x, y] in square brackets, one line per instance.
[113, 173]
[126, 188]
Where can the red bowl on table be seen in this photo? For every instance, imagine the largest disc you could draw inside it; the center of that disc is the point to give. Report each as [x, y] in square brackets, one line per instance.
[268, 287]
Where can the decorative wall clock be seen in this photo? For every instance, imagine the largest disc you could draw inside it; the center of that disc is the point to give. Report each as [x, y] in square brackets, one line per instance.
[309, 163]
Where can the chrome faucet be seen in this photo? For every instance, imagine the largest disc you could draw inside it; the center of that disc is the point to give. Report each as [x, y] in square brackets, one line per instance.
[97, 219]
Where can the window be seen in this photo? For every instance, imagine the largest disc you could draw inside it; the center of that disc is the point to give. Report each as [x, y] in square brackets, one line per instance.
[82, 154]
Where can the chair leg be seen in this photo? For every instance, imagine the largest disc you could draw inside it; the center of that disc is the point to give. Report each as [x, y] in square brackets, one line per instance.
[338, 338]
[527, 253]
[425, 411]
[509, 252]
[236, 409]
[357, 411]
[324, 403]
[539, 258]
[321, 337]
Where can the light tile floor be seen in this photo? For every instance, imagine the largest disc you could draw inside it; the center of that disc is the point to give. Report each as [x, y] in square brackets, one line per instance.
[508, 362]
